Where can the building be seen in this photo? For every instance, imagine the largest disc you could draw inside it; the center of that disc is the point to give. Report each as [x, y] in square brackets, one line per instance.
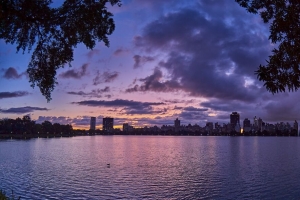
[93, 123]
[209, 127]
[295, 126]
[246, 125]
[108, 124]
[234, 120]
[127, 128]
[255, 122]
[177, 124]
[260, 124]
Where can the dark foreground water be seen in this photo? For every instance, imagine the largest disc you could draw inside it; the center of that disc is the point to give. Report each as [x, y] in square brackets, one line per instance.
[154, 167]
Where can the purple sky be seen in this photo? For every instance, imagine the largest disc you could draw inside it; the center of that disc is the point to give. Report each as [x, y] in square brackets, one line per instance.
[193, 60]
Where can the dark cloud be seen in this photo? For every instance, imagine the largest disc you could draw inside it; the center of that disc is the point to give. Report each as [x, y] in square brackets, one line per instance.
[285, 107]
[142, 112]
[76, 74]
[92, 53]
[22, 110]
[282, 107]
[211, 51]
[141, 60]
[106, 89]
[154, 83]
[11, 73]
[13, 94]
[147, 121]
[120, 51]
[219, 105]
[176, 101]
[118, 103]
[193, 117]
[54, 119]
[178, 108]
[192, 114]
[128, 106]
[93, 93]
[193, 109]
[105, 77]
[80, 93]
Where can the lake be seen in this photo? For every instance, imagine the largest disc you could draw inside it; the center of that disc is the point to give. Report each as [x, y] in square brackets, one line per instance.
[151, 167]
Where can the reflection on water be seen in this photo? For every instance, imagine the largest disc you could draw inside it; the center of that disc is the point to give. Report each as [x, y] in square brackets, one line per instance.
[152, 167]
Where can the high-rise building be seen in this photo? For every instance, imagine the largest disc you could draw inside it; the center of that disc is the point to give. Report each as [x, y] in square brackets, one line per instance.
[108, 124]
[125, 127]
[260, 124]
[234, 119]
[246, 125]
[209, 126]
[93, 123]
[255, 122]
[177, 124]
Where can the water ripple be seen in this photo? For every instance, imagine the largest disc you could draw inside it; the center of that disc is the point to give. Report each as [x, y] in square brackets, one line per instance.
[151, 167]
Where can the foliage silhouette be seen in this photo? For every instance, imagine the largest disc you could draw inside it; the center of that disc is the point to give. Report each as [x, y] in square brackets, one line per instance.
[53, 33]
[282, 70]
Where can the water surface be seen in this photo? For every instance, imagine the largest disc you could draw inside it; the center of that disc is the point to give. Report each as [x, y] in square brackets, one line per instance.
[154, 167]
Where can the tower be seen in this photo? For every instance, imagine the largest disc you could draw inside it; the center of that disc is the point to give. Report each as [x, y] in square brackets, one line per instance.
[234, 119]
[108, 124]
[246, 125]
[177, 124]
[93, 123]
[260, 124]
[125, 127]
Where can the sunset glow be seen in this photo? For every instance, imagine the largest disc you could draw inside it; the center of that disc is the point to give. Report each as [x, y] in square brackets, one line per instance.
[192, 60]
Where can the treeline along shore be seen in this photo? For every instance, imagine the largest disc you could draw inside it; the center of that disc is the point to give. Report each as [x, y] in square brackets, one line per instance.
[25, 128]
[74, 133]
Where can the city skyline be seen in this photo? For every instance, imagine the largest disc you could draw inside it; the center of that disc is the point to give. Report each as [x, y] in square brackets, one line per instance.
[234, 122]
[190, 60]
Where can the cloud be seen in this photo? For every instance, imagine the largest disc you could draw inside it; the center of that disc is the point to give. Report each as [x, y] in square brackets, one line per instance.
[76, 121]
[128, 106]
[105, 77]
[219, 105]
[92, 53]
[193, 109]
[120, 51]
[141, 60]
[193, 116]
[142, 112]
[22, 110]
[76, 74]
[11, 73]
[54, 119]
[282, 107]
[208, 51]
[176, 101]
[155, 83]
[93, 93]
[13, 94]
[118, 103]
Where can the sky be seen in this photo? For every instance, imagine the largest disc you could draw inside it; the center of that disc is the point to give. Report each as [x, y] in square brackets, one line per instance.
[192, 60]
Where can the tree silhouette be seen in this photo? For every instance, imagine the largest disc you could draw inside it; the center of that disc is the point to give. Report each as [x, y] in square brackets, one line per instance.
[282, 70]
[53, 33]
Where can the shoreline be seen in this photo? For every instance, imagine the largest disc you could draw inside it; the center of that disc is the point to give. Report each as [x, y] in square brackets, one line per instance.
[233, 134]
